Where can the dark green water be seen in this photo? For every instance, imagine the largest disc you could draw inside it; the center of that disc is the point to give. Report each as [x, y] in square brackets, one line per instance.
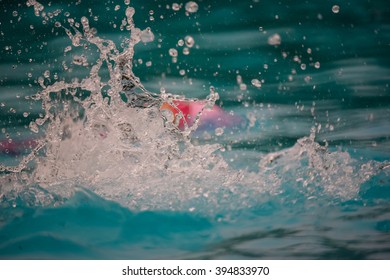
[319, 69]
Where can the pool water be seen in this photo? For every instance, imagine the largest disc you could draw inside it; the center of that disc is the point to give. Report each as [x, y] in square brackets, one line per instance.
[291, 163]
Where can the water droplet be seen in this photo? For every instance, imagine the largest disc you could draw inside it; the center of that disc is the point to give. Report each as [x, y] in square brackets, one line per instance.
[182, 72]
[34, 127]
[176, 7]
[84, 20]
[219, 131]
[191, 7]
[46, 74]
[252, 119]
[186, 51]
[41, 81]
[336, 9]
[15, 13]
[274, 40]
[317, 65]
[189, 41]
[239, 79]
[256, 83]
[173, 52]
[79, 60]
[147, 35]
[130, 12]
[117, 7]
[25, 114]
[243, 86]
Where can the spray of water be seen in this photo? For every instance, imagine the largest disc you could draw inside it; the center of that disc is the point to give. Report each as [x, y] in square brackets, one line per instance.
[111, 137]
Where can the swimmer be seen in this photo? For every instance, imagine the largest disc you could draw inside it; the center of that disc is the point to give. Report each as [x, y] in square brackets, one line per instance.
[185, 112]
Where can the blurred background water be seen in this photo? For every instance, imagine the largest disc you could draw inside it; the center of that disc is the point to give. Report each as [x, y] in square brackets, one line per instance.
[289, 69]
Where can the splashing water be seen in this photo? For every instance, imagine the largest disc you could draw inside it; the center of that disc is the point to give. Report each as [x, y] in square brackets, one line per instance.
[97, 133]
[113, 137]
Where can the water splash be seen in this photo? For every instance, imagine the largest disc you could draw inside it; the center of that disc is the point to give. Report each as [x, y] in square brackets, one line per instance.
[111, 137]
[97, 133]
[312, 169]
